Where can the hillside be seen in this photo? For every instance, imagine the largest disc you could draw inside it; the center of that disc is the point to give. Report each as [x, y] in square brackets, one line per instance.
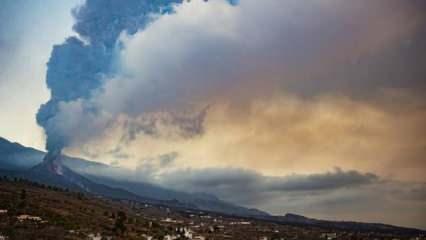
[55, 213]
[20, 161]
[33, 211]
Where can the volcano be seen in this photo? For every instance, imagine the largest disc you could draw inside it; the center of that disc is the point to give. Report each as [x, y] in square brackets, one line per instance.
[51, 171]
[56, 169]
[53, 163]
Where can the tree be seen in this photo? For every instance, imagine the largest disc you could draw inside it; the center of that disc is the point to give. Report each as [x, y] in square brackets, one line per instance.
[119, 222]
[23, 195]
[80, 196]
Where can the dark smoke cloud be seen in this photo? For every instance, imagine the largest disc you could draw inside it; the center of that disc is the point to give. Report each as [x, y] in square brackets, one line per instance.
[229, 181]
[101, 22]
[76, 67]
[187, 125]
[74, 70]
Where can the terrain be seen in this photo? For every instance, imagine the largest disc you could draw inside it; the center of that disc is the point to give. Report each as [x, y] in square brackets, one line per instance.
[19, 161]
[30, 210]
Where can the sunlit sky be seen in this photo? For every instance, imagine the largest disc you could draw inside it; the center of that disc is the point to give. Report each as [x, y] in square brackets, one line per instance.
[313, 107]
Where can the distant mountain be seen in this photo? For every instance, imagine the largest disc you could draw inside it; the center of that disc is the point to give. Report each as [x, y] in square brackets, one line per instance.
[300, 220]
[14, 156]
[69, 179]
[203, 201]
[21, 161]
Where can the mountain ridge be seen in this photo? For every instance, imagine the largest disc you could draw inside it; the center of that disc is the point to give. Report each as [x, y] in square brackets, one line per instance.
[28, 163]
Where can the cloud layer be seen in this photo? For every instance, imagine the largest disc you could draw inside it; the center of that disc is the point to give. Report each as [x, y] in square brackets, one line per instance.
[249, 187]
[261, 97]
[207, 52]
[245, 99]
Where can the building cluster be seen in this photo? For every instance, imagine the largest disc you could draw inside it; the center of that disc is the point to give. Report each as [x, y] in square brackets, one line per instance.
[44, 213]
[201, 225]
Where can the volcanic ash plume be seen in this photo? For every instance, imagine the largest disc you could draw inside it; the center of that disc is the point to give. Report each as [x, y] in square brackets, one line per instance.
[77, 67]
[53, 162]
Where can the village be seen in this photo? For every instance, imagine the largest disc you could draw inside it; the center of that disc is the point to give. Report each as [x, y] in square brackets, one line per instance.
[32, 211]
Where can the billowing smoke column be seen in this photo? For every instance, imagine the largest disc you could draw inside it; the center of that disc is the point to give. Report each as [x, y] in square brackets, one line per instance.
[76, 67]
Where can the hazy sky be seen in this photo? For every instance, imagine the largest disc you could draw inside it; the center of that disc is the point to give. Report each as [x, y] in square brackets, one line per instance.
[28, 30]
[312, 107]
